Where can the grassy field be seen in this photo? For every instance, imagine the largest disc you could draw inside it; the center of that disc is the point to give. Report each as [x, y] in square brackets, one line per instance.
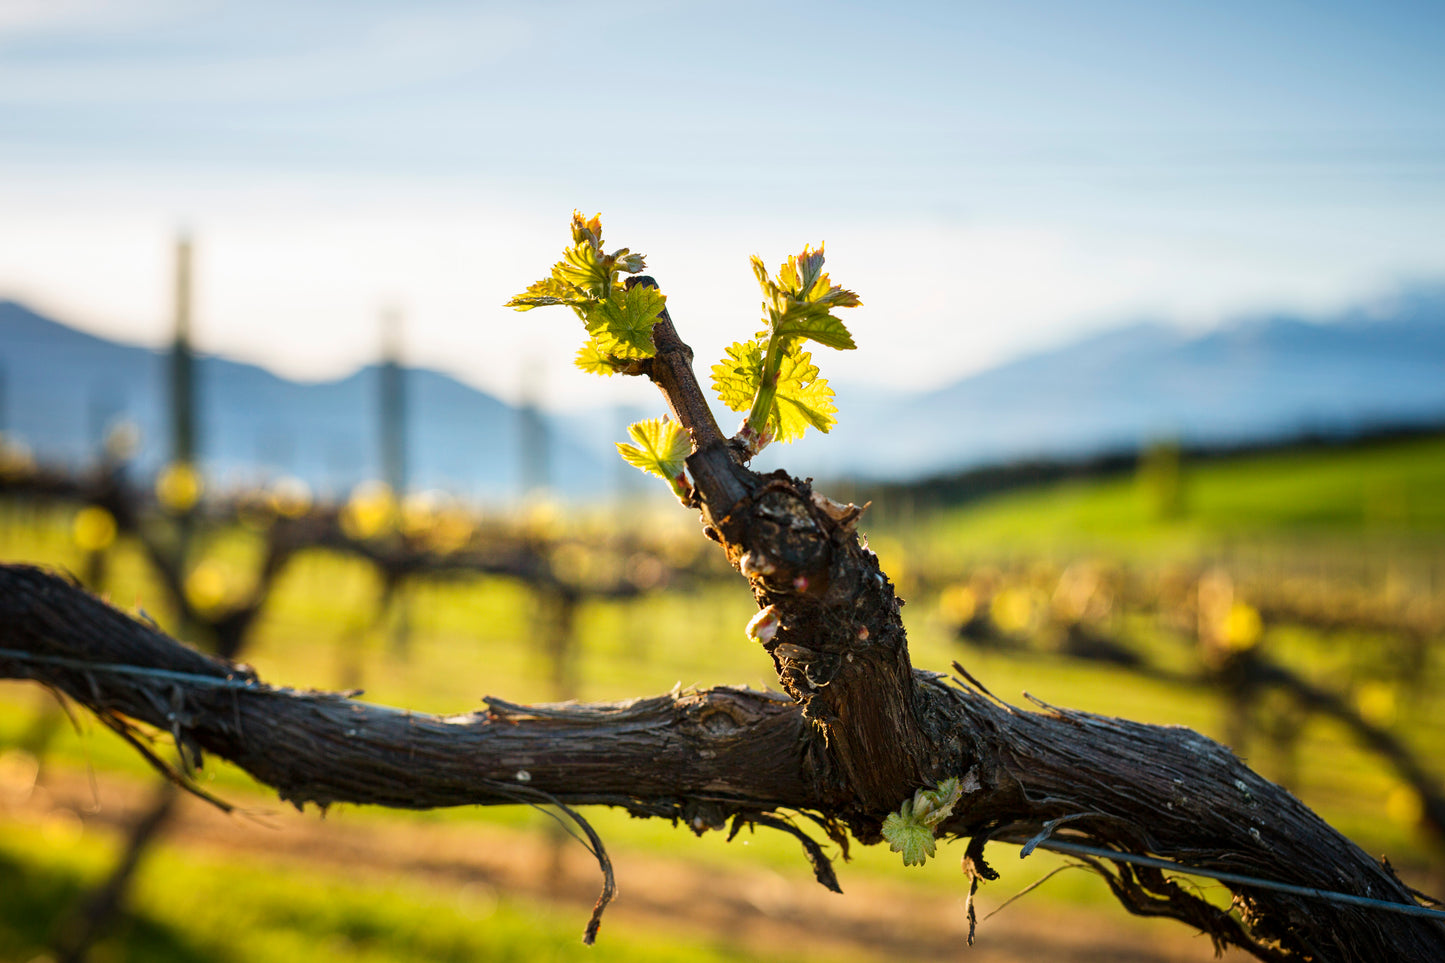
[1387, 492]
[473, 639]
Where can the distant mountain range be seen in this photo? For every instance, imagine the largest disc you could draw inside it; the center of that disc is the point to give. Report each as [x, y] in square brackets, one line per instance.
[1250, 381]
[62, 388]
[1254, 380]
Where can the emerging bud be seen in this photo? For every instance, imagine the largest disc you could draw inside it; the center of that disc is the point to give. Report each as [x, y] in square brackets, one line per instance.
[764, 626]
[628, 262]
[587, 231]
[753, 440]
[756, 563]
[846, 515]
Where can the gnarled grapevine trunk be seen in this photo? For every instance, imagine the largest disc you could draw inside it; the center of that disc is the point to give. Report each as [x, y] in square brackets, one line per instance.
[719, 753]
[859, 733]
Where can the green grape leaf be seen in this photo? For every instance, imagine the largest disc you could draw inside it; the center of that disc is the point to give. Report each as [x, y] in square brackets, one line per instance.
[800, 399]
[584, 274]
[622, 322]
[737, 376]
[593, 358]
[544, 293]
[802, 272]
[760, 271]
[910, 830]
[834, 296]
[810, 320]
[582, 267]
[662, 447]
[803, 398]
[908, 835]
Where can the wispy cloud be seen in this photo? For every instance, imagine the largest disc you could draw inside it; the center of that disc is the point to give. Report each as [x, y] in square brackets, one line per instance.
[225, 54]
[50, 19]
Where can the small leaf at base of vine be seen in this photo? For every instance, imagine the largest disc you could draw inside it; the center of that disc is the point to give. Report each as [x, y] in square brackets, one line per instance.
[662, 447]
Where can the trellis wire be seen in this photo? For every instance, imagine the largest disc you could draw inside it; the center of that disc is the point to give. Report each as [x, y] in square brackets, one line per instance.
[1078, 849]
[217, 682]
[1054, 845]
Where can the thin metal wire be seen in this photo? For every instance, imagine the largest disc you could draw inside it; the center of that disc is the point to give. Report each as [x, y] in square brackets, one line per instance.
[1054, 845]
[218, 682]
[1331, 896]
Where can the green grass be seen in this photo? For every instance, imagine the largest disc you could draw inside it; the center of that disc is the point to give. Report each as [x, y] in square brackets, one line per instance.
[1386, 491]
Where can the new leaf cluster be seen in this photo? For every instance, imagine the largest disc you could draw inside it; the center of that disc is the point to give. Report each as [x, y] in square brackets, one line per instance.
[910, 831]
[771, 377]
[618, 321]
[619, 324]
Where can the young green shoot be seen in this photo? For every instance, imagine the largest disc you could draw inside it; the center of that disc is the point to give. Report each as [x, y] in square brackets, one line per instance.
[662, 449]
[618, 321]
[910, 831]
[770, 376]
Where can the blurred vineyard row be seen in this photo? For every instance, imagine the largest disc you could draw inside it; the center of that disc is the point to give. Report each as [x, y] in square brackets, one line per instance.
[1275, 650]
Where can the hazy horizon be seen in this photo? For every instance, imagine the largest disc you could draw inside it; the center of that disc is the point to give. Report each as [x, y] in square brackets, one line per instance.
[1367, 307]
[991, 180]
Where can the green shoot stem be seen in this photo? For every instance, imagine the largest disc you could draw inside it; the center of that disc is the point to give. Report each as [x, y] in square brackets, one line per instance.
[681, 488]
[757, 421]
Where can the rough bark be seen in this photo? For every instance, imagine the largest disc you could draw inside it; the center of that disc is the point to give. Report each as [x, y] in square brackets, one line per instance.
[860, 732]
[322, 747]
[1241, 676]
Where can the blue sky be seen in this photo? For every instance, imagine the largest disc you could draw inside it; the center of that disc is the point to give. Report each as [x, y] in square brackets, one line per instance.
[990, 177]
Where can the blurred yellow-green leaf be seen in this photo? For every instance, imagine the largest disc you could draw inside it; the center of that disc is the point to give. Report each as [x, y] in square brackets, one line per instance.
[178, 487]
[94, 529]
